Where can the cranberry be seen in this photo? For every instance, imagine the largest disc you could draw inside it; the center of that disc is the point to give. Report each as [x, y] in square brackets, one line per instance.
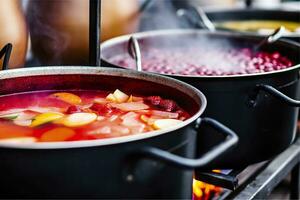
[206, 62]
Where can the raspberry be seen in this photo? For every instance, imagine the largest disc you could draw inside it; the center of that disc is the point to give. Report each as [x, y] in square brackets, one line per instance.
[101, 109]
[73, 109]
[168, 105]
[154, 100]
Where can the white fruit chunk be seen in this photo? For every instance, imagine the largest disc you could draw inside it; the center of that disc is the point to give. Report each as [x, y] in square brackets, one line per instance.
[120, 96]
[79, 119]
[132, 106]
[18, 140]
[165, 123]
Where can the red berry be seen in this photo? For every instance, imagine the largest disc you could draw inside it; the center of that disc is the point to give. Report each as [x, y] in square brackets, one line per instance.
[168, 105]
[73, 109]
[153, 100]
[101, 109]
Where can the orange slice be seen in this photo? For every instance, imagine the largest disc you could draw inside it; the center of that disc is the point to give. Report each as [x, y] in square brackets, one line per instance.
[67, 97]
[57, 134]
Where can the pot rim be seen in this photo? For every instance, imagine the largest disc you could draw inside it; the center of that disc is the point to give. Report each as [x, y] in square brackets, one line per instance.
[189, 90]
[141, 35]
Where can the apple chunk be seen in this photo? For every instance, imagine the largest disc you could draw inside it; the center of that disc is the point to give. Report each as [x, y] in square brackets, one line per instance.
[165, 123]
[131, 106]
[79, 119]
[120, 96]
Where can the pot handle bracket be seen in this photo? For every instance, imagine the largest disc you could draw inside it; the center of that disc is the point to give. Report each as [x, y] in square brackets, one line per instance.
[187, 163]
[275, 93]
[5, 53]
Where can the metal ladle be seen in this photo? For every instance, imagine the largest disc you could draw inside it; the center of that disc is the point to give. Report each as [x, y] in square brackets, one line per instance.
[200, 16]
[278, 33]
[134, 51]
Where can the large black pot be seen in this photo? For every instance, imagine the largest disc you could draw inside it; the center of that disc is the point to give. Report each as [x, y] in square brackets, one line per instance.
[252, 105]
[219, 15]
[157, 164]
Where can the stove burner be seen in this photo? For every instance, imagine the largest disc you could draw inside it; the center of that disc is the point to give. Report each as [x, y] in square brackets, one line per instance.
[257, 181]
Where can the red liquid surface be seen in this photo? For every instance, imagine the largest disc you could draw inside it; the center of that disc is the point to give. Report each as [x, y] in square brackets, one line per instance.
[205, 61]
[52, 116]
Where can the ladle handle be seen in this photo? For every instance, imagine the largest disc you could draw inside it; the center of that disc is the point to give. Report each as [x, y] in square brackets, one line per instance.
[5, 53]
[187, 163]
[277, 34]
[277, 94]
[135, 52]
[198, 17]
[206, 21]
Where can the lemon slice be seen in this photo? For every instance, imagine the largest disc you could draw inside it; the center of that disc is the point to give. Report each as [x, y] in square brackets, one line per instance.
[79, 119]
[165, 123]
[68, 97]
[45, 118]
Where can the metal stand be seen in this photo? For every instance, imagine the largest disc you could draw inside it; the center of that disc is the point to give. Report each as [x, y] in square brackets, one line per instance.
[295, 182]
[259, 180]
[94, 32]
[278, 169]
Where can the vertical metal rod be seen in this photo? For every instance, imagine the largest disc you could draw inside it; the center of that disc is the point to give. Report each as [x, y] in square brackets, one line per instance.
[94, 32]
[295, 182]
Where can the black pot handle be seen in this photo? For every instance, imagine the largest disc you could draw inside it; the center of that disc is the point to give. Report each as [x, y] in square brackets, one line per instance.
[275, 93]
[5, 52]
[187, 163]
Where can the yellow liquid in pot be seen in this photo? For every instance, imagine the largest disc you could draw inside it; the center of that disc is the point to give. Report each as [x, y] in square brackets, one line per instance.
[260, 25]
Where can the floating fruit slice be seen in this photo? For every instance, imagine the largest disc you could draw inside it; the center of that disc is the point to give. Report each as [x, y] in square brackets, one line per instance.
[132, 106]
[57, 134]
[165, 123]
[100, 100]
[79, 119]
[45, 109]
[144, 118]
[18, 140]
[120, 96]
[22, 122]
[123, 130]
[165, 114]
[9, 130]
[130, 99]
[10, 116]
[111, 97]
[67, 97]
[45, 118]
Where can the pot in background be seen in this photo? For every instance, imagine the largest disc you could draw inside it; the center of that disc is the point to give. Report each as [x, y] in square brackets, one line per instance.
[251, 104]
[124, 167]
[218, 16]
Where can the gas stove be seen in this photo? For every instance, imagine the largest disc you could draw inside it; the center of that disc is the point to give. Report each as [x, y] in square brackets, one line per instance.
[256, 181]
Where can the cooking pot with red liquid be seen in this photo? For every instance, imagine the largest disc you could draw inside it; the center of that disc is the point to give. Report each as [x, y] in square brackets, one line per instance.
[156, 164]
